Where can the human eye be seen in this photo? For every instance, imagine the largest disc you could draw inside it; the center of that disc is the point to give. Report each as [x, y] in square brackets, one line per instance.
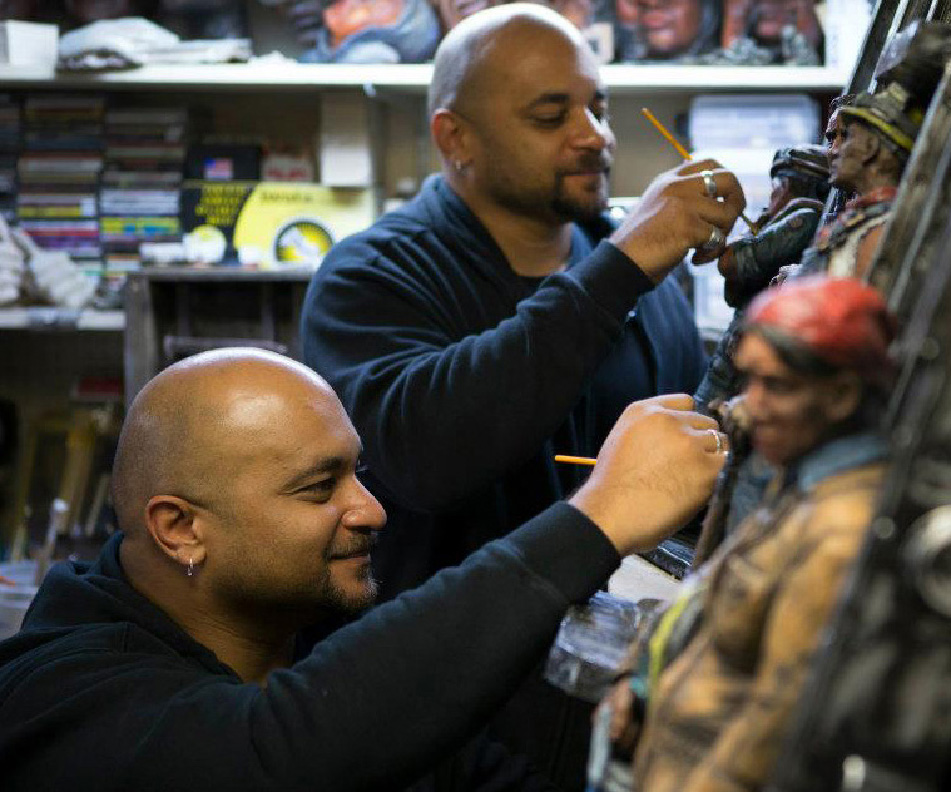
[320, 490]
[550, 118]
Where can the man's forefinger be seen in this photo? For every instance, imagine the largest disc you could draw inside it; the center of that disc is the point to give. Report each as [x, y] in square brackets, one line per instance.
[674, 401]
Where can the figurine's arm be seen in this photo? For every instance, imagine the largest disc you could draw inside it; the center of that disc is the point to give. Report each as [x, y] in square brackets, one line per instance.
[751, 263]
[746, 750]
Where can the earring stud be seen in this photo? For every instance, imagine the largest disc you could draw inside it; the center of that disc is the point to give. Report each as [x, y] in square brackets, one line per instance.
[190, 569]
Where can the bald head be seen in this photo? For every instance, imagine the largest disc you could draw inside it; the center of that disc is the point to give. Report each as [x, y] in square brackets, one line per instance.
[459, 72]
[190, 428]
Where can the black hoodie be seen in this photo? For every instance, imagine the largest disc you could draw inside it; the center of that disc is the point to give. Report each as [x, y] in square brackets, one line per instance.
[102, 691]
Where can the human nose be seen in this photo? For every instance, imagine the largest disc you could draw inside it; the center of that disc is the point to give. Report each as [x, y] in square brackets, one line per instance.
[594, 132]
[363, 510]
[753, 396]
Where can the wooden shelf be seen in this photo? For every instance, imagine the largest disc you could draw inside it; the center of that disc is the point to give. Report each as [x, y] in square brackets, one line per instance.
[280, 74]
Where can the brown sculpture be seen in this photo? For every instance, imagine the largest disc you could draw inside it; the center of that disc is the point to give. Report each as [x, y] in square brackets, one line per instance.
[723, 665]
[870, 145]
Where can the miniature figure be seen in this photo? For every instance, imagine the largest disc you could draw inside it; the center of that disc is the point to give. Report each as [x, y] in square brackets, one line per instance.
[788, 29]
[666, 29]
[375, 31]
[784, 230]
[725, 663]
[877, 132]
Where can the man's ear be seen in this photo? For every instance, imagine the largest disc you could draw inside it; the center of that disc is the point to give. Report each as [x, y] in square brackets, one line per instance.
[451, 135]
[173, 525]
[842, 396]
[871, 146]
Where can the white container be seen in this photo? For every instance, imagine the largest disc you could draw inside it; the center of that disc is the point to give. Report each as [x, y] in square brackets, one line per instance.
[28, 44]
[753, 121]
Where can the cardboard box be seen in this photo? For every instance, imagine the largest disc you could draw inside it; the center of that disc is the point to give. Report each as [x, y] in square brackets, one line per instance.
[28, 44]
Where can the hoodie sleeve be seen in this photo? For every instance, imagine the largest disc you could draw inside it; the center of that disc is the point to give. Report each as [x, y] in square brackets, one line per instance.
[419, 386]
[373, 707]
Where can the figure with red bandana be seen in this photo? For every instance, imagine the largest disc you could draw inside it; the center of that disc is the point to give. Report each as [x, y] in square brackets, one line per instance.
[719, 674]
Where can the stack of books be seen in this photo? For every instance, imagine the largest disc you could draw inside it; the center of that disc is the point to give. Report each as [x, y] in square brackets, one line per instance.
[58, 170]
[139, 196]
[9, 149]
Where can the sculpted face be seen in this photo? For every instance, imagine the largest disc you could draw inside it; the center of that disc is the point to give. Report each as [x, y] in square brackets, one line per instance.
[293, 526]
[669, 26]
[773, 15]
[542, 146]
[790, 413]
[833, 135]
[849, 159]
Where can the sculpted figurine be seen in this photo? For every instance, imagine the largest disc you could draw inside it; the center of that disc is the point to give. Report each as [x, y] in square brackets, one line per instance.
[786, 227]
[666, 29]
[788, 30]
[719, 674]
[376, 31]
[875, 135]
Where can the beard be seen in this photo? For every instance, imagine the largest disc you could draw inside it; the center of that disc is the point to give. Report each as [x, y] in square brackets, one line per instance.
[335, 599]
[551, 202]
[573, 209]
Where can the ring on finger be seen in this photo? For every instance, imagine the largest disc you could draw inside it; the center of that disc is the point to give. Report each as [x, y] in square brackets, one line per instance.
[709, 184]
[716, 436]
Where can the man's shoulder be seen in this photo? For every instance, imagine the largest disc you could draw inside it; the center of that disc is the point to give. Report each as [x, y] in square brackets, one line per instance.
[404, 235]
[38, 665]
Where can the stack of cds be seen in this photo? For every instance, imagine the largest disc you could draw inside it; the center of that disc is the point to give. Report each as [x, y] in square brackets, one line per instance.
[139, 196]
[9, 149]
[58, 170]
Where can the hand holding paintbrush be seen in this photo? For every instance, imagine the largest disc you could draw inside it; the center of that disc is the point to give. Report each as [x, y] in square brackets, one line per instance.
[687, 158]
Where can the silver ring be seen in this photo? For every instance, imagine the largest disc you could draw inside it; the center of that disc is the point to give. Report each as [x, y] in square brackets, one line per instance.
[716, 436]
[715, 240]
[709, 184]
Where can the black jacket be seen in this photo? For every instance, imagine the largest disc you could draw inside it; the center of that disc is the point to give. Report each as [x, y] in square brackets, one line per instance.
[102, 691]
[464, 379]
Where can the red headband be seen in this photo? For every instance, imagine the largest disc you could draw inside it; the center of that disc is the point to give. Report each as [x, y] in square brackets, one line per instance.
[841, 320]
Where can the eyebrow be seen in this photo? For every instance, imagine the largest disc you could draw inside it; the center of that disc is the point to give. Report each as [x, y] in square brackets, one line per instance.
[560, 97]
[322, 466]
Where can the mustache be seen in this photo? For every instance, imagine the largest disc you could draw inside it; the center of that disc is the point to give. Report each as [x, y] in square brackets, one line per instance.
[592, 162]
[358, 547]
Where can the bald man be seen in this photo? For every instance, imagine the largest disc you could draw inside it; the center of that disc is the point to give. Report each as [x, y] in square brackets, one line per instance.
[498, 319]
[169, 664]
